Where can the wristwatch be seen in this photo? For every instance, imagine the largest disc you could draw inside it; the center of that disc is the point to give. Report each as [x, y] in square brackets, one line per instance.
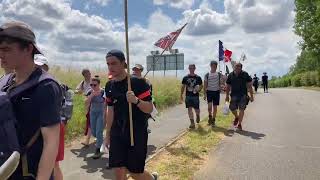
[138, 101]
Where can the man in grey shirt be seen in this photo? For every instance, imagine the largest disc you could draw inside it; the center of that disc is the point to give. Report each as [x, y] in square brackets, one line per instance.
[212, 84]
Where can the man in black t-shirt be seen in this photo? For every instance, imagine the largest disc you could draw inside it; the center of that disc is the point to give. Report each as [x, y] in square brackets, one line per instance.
[124, 158]
[35, 109]
[239, 82]
[255, 83]
[192, 84]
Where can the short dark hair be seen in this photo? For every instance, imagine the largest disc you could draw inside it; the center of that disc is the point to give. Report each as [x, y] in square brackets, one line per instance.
[23, 44]
[96, 79]
[238, 64]
[85, 71]
[192, 65]
[116, 53]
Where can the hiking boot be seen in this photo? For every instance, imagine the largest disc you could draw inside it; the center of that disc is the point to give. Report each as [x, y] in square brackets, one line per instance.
[198, 119]
[192, 126]
[155, 175]
[97, 154]
[213, 124]
[235, 122]
[210, 121]
[239, 127]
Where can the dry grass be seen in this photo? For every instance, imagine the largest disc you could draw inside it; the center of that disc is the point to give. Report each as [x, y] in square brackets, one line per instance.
[184, 157]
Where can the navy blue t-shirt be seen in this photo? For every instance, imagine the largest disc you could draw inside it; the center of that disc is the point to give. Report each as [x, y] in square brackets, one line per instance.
[116, 97]
[37, 107]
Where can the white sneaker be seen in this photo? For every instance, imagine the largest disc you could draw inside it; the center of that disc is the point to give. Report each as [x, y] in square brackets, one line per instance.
[155, 175]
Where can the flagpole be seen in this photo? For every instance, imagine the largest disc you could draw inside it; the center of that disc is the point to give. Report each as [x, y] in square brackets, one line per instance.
[156, 61]
[128, 70]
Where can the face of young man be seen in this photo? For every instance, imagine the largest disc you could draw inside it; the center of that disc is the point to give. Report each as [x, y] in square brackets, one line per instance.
[214, 67]
[12, 55]
[115, 66]
[238, 68]
[87, 76]
[192, 69]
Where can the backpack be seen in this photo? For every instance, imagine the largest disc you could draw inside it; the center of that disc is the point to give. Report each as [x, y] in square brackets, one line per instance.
[67, 103]
[8, 129]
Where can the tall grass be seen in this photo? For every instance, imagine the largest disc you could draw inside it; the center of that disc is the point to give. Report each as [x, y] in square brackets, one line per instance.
[166, 93]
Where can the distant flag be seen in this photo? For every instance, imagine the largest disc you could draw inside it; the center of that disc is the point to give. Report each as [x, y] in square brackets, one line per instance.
[167, 42]
[227, 70]
[227, 55]
[221, 52]
[243, 57]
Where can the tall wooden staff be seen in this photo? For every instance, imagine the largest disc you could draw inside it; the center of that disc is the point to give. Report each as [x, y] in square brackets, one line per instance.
[128, 68]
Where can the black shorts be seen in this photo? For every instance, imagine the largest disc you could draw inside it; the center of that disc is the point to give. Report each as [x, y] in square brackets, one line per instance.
[121, 154]
[238, 102]
[192, 101]
[213, 97]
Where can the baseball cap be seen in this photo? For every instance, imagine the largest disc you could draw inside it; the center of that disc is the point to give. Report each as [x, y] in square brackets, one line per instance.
[213, 63]
[116, 53]
[138, 66]
[40, 60]
[19, 30]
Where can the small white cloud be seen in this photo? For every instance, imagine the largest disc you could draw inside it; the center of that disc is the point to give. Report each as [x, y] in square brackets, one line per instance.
[179, 4]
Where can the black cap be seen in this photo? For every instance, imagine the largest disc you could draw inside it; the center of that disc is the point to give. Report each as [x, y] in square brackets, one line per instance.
[116, 53]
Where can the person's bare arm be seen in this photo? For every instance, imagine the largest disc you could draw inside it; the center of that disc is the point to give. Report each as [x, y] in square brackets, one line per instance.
[228, 93]
[205, 87]
[249, 86]
[183, 87]
[144, 106]
[49, 152]
[109, 121]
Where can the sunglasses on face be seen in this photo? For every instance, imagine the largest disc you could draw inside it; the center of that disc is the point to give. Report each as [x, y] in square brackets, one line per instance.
[93, 85]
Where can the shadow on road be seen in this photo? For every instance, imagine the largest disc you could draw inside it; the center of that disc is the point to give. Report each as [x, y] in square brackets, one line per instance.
[99, 165]
[230, 132]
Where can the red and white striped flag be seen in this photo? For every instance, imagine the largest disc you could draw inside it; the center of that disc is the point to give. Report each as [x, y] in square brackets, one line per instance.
[167, 42]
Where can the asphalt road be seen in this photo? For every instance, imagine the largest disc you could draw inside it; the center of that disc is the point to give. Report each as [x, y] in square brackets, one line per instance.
[280, 141]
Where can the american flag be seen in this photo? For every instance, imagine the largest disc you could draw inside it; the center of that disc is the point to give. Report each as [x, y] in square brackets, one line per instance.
[167, 42]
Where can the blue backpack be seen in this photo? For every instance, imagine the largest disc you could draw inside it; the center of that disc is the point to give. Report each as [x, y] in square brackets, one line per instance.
[8, 128]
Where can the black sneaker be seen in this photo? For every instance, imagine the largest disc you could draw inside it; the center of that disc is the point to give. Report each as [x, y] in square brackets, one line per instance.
[192, 126]
[97, 154]
[210, 121]
[198, 119]
[235, 122]
[155, 175]
[213, 124]
[239, 127]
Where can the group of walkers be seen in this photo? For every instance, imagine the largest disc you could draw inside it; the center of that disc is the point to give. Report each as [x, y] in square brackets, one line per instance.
[33, 102]
[37, 107]
[236, 85]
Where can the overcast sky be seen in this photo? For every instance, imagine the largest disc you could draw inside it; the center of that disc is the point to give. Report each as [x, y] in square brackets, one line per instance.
[80, 32]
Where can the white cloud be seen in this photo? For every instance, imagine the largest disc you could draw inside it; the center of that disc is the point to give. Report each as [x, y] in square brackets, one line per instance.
[179, 4]
[73, 38]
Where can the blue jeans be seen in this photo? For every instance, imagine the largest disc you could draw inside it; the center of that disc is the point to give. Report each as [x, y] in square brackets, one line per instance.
[97, 126]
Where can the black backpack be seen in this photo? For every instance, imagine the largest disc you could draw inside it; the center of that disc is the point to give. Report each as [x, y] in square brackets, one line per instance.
[8, 128]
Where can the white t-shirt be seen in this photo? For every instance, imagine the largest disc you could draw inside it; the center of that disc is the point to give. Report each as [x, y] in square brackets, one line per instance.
[213, 81]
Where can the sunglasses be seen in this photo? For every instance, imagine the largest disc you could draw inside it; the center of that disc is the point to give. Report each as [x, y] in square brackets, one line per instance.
[93, 85]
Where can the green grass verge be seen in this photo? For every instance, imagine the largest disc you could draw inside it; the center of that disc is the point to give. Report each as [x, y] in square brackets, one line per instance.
[183, 158]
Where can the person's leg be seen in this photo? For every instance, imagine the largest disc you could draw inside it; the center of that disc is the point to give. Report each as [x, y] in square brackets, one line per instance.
[143, 176]
[215, 103]
[234, 105]
[57, 173]
[197, 108]
[267, 87]
[93, 123]
[209, 100]
[120, 173]
[242, 107]
[264, 87]
[191, 117]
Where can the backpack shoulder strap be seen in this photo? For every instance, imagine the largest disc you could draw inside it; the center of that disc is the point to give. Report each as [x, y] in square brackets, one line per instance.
[206, 77]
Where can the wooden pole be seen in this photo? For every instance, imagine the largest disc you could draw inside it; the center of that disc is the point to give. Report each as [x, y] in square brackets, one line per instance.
[128, 70]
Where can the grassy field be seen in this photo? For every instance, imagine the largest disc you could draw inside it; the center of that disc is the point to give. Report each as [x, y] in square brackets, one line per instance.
[166, 92]
[184, 157]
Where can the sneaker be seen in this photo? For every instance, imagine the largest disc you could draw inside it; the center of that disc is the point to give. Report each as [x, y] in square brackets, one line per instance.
[192, 126]
[155, 175]
[213, 124]
[240, 127]
[198, 119]
[210, 121]
[235, 122]
[97, 154]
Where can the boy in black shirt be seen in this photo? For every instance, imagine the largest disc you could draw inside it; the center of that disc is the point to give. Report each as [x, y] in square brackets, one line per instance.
[123, 157]
[192, 84]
